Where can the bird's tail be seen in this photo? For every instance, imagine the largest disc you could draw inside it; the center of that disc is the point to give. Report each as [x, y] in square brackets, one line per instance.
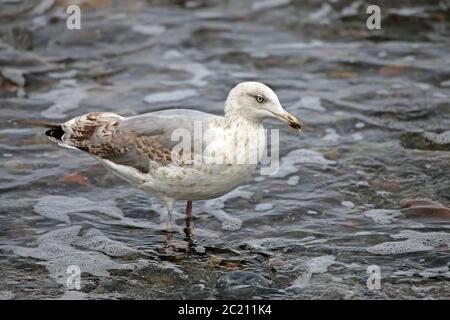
[55, 130]
[36, 123]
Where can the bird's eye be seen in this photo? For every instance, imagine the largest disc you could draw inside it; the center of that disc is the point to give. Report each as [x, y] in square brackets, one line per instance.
[260, 99]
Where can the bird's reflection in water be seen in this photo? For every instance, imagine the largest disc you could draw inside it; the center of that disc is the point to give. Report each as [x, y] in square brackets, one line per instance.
[187, 244]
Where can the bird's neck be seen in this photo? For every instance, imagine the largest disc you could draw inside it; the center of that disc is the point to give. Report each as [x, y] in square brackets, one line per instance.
[247, 135]
[237, 121]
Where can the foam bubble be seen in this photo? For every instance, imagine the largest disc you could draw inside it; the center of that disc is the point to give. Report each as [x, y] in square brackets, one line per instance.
[388, 248]
[276, 243]
[441, 138]
[58, 249]
[215, 208]
[289, 163]
[331, 135]
[314, 266]
[95, 240]
[293, 181]
[229, 223]
[415, 242]
[59, 207]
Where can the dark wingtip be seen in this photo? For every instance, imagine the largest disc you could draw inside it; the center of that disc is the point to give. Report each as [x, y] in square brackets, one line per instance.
[56, 133]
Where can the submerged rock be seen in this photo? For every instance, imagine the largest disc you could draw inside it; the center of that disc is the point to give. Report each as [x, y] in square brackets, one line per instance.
[426, 140]
[424, 208]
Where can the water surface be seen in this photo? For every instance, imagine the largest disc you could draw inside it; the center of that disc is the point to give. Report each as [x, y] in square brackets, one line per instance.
[377, 115]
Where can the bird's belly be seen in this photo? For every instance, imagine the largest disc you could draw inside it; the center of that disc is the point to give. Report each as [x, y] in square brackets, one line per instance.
[185, 183]
[208, 182]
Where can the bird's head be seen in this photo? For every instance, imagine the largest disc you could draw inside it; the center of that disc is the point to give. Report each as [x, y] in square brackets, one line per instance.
[256, 101]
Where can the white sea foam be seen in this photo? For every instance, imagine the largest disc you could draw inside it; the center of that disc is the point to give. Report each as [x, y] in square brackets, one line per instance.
[59, 207]
[360, 125]
[58, 249]
[276, 243]
[320, 264]
[215, 207]
[413, 241]
[293, 181]
[441, 138]
[93, 239]
[288, 164]
[331, 135]
[314, 266]
[229, 223]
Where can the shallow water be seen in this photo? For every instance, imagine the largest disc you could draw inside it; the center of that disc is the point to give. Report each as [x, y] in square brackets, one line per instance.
[377, 115]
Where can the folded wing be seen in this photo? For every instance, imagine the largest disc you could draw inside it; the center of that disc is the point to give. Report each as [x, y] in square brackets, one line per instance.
[137, 141]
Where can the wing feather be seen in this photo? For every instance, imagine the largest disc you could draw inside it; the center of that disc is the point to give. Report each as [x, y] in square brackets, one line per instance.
[135, 141]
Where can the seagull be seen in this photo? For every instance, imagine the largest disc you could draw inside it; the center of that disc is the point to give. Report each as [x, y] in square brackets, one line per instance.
[142, 150]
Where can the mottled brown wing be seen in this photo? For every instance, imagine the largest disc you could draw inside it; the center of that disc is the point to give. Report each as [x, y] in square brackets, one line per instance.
[134, 141]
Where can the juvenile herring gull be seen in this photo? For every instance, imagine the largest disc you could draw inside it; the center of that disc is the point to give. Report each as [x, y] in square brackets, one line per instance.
[142, 150]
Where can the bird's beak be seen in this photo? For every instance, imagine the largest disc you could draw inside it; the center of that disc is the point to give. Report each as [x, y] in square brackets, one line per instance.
[292, 121]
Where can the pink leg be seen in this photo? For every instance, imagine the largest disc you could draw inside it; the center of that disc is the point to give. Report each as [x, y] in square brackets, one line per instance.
[188, 229]
[189, 210]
